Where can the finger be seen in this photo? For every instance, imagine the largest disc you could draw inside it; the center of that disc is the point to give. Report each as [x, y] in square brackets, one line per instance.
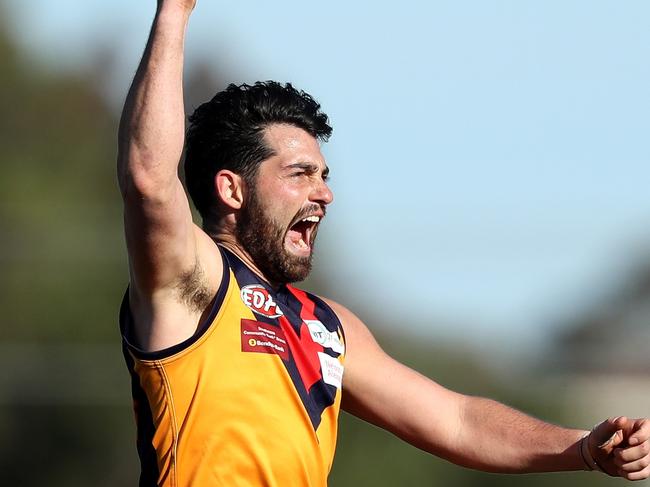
[641, 432]
[633, 453]
[623, 427]
[612, 442]
[640, 475]
[608, 434]
[635, 466]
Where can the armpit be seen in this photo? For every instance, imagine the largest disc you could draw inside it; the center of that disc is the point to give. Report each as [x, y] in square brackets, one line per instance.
[192, 289]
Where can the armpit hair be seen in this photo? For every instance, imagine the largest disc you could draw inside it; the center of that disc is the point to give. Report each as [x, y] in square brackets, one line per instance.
[192, 289]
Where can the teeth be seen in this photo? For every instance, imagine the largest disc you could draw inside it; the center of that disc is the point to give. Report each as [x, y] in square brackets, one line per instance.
[314, 219]
[301, 243]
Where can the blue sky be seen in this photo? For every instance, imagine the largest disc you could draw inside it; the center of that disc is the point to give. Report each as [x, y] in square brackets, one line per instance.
[489, 160]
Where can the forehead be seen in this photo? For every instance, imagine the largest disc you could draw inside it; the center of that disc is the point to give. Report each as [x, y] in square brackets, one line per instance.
[292, 144]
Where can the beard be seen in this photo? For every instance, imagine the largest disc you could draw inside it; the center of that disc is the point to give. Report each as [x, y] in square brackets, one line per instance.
[263, 238]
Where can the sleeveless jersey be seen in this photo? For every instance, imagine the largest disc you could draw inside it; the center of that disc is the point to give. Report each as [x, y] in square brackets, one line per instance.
[252, 399]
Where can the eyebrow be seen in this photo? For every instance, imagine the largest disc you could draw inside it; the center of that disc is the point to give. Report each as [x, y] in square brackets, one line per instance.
[308, 166]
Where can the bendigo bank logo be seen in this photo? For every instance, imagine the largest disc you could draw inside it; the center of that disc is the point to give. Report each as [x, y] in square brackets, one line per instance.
[258, 299]
[261, 338]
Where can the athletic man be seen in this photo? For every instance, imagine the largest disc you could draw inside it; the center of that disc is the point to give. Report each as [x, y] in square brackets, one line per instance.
[238, 376]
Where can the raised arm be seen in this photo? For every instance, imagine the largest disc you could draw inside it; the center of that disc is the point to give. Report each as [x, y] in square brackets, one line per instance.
[170, 286]
[472, 431]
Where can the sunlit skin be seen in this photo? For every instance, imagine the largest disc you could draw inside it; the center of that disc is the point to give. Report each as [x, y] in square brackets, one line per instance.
[176, 271]
[290, 185]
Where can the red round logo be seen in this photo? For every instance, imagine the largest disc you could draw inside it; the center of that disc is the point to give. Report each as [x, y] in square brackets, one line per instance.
[259, 299]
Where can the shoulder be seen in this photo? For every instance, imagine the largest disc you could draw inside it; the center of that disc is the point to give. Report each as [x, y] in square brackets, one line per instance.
[357, 334]
[344, 314]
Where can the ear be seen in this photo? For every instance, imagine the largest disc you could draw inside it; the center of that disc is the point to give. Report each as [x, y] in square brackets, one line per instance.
[229, 188]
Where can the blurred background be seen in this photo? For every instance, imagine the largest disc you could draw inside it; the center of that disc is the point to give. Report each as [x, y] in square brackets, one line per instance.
[489, 162]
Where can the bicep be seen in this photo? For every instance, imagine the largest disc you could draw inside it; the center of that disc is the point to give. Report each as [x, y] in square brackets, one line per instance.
[386, 393]
[160, 235]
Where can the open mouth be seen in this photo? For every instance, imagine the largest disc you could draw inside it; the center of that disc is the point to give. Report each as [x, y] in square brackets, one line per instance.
[300, 234]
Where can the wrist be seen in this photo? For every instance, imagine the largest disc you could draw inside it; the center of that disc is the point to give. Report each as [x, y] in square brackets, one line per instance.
[590, 463]
[173, 11]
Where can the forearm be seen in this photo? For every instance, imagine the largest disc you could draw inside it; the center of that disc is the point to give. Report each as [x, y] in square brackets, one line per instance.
[496, 438]
[151, 133]
[475, 432]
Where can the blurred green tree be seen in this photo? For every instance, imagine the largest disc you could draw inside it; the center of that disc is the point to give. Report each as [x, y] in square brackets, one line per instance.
[63, 272]
[61, 247]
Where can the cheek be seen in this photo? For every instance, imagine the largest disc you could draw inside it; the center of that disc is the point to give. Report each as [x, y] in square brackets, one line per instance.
[285, 201]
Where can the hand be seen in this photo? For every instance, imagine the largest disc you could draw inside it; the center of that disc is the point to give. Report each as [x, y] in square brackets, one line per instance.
[621, 447]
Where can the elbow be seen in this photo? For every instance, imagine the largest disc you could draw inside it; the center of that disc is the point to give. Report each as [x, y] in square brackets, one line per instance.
[142, 178]
[146, 170]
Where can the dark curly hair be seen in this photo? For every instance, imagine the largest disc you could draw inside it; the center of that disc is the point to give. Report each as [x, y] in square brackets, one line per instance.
[228, 133]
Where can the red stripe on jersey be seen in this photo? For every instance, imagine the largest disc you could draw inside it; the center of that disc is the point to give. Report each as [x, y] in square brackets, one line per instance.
[304, 351]
[308, 306]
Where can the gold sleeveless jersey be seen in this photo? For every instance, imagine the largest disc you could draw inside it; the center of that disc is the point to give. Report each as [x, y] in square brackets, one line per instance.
[252, 399]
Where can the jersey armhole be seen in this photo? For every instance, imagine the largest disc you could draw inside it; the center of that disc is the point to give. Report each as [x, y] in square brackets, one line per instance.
[324, 304]
[126, 320]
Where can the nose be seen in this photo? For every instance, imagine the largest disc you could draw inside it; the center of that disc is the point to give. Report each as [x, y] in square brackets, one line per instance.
[322, 193]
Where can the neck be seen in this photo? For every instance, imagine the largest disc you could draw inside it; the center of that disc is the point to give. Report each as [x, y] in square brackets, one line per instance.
[229, 241]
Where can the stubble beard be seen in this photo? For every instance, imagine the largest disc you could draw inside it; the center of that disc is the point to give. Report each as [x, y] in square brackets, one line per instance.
[263, 238]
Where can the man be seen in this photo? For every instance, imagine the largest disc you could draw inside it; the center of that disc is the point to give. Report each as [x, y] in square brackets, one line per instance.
[237, 375]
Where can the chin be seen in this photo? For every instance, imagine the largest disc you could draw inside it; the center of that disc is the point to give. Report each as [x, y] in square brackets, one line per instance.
[298, 254]
[295, 267]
